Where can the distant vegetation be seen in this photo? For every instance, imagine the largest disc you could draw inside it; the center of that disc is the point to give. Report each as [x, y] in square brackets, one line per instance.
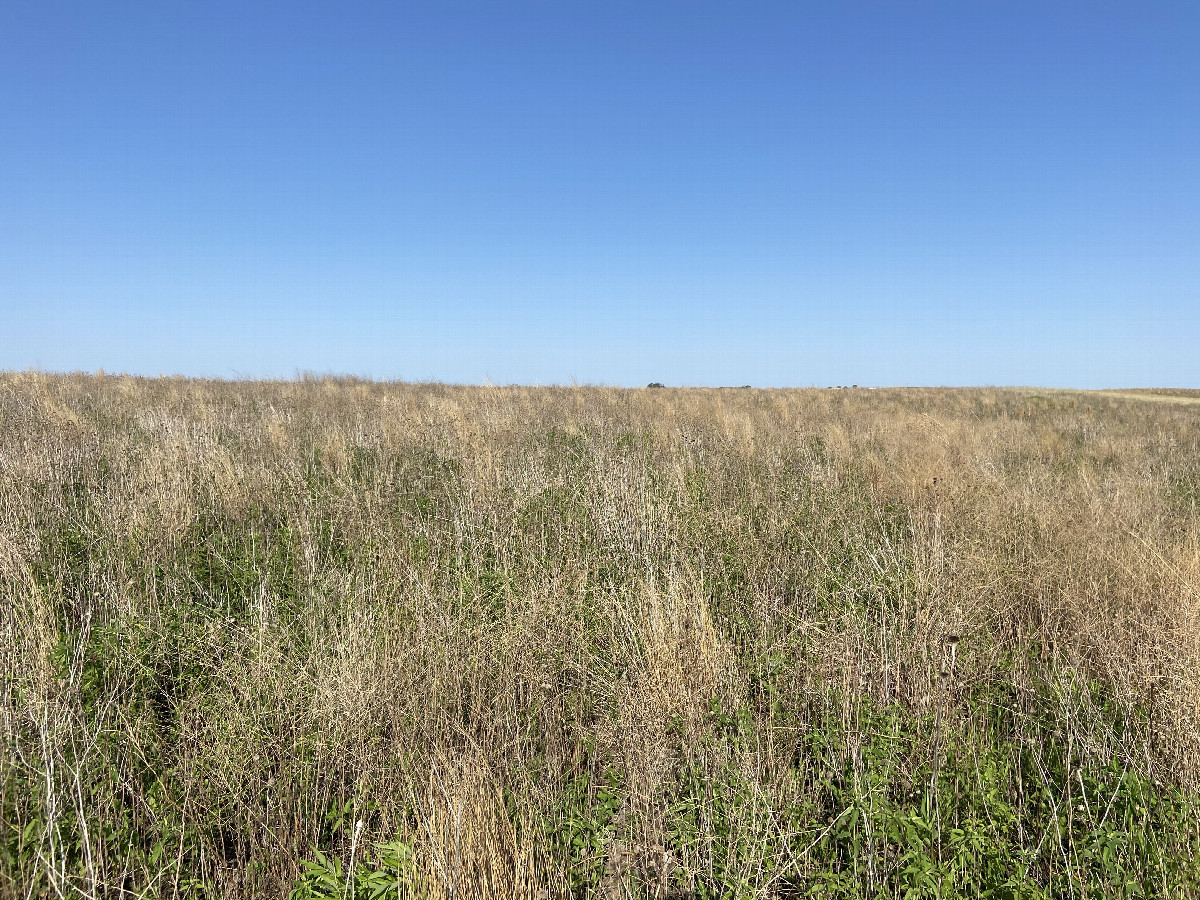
[1160, 392]
[342, 639]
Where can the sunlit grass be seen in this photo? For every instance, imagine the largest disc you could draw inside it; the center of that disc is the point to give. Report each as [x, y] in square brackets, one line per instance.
[594, 642]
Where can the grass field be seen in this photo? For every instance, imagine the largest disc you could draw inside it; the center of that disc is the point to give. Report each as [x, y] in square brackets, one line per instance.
[331, 638]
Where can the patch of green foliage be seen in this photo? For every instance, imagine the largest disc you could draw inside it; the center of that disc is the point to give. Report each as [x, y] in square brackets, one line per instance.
[1004, 807]
[386, 872]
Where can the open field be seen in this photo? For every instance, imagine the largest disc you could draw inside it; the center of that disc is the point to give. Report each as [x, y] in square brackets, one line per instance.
[1157, 395]
[596, 642]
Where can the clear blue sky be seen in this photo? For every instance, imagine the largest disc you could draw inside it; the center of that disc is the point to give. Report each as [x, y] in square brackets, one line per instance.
[695, 193]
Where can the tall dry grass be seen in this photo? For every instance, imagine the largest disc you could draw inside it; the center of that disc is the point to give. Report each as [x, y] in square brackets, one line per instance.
[593, 641]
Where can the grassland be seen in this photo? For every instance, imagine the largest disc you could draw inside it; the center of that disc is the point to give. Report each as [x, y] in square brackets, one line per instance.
[329, 638]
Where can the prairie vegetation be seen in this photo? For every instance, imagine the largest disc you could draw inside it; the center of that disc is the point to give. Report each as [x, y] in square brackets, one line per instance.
[332, 638]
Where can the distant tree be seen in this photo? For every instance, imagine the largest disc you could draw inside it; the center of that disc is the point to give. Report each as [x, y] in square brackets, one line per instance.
[656, 384]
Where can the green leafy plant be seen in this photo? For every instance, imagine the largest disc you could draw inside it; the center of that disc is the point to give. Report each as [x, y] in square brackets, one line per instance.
[387, 873]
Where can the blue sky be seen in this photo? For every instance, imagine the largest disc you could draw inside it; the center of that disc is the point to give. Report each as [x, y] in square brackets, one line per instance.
[695, 193]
